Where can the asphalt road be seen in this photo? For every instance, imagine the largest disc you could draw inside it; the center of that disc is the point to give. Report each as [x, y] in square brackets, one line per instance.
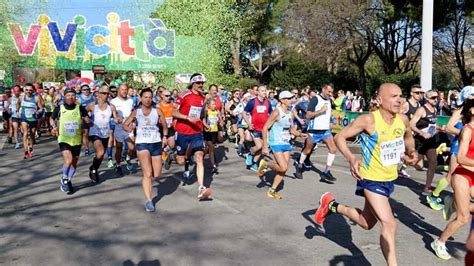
[105, 224]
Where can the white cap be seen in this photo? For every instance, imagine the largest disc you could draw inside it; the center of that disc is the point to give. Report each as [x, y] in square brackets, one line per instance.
[247, 95]
[465, 93]
[198, 78]
[285, 95]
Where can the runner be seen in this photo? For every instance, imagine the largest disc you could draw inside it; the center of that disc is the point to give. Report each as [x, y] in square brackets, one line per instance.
[230, 107]
[211, 122]
[29, 107]
[423, 123]
[166, 106]
[189, 128]
[84, 99]
[453, 127]
[244, 133]
[48, 105]
[111, 144]
[319, 129]
[124, 106]
[386, 135]
[462, 183]
[13, 113]
[213, 95]
[69, 132]
[282, 127]
[6, 115]
[260, 109]
[149, 143]
[99, 133]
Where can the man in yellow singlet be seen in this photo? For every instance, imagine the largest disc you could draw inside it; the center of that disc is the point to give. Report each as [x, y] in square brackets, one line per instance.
[386, 137]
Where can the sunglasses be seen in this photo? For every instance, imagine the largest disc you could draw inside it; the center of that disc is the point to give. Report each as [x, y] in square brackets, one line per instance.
[166, 95]
[418, 92]
[113, 91]
[104, 93]
[199, 82]
[85, 89]
[433, 98]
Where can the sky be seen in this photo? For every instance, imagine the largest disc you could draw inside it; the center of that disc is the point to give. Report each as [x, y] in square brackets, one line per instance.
[95, 11]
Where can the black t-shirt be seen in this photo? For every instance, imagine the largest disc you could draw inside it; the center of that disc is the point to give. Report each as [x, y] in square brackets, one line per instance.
[55, 114]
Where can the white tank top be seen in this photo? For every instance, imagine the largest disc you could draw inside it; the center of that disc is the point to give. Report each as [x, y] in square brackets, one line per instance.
[147, 127]
[322, 121]
[101, 127]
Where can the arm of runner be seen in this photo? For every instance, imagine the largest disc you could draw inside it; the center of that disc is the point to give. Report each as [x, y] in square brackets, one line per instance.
[127, 124]
[18, 105]
[362, 123]
[420, 112]
[7, 105]
[85, 116]
[52, 120]
[410, 157]
[464, 141]
[311, 112]
[247, 110]
[450, 127]
[297, 133]
[265, 131]
[164, 126]
[178, 115]
[90, 107]
[114, 114]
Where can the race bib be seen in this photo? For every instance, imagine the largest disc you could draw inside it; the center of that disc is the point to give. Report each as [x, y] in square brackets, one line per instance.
[148, 133]
[212, 121]
[103, 131]
[391, 152]
[169, 120]
[29, 113]
[195, 112]
[432, 130]
[285, 135]
[70, 128]
[261, 109]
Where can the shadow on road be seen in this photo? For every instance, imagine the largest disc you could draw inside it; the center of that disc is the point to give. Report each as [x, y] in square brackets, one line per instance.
[338, 231]
[142, 263]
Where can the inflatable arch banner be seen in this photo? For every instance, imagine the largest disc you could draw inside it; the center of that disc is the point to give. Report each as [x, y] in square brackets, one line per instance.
[117, 45]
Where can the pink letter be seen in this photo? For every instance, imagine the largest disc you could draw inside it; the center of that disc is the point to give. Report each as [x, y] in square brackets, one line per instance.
[25, 47]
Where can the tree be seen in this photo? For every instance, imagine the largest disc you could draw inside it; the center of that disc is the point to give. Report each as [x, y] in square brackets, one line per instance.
[455, 38]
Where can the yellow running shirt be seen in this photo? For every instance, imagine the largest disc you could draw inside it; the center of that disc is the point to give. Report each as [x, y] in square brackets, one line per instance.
[382, 151]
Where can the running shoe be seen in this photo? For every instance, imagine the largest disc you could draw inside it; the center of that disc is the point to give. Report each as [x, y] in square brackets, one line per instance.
[299, 171]
[434, 202]
[249, 159]
[94, 175]
[187, 175]
[129, 165]
[403, 173]
[167, 162]
[441, 148]
[323, 210]
[273, 194]
[9, 140]
[448, 208]
[118, 170]
[262, 166]
[327, 176]
[307, 164]
[214, 170]
[66, 186]
[110, 163]
[203, 193]
[26, 155]
[18, 146]
[254, 167]
[440, 250]
[149, 207]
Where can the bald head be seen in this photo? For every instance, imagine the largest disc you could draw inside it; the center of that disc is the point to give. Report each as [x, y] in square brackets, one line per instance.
[389, 97]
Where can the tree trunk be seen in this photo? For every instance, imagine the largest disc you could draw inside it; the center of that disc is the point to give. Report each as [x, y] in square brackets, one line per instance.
[235, 50]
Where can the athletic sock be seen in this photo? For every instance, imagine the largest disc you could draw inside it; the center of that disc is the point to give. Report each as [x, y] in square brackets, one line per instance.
[186, 165]
[330, 161]
[302, 158]
[71, 173]
[96, 163]
[109, 152]
[442, 185]
[333, 206]
[65, 171]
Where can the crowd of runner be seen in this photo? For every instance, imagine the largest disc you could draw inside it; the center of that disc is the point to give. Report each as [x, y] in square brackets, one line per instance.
[160, 128]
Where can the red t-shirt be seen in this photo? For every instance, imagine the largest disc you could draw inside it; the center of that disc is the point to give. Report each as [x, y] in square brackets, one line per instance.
[218, 103]
[190, 104]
